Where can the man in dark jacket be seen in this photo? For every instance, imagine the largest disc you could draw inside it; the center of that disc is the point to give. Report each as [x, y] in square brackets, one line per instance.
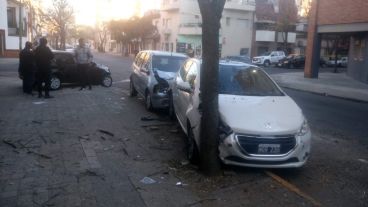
[43, 56]
[27, 68]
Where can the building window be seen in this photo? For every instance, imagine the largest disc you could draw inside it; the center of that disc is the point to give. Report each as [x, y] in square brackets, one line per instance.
[12, 21]
[227, 21]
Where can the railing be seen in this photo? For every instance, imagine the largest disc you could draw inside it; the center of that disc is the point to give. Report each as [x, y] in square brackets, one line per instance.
[244, 5]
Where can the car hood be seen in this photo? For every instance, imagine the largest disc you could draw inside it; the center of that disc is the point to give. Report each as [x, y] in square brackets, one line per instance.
[266, 115]
[103, 67]
[259, 57]
[166, 75]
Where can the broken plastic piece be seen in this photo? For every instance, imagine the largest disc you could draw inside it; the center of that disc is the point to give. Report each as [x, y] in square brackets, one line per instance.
[148, 180]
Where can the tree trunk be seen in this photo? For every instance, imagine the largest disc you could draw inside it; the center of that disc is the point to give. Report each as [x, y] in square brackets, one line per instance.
[211, 11]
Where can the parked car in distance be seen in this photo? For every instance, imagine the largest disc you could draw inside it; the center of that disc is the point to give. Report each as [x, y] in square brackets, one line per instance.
[268, 58]
[297, 61]
[240, 58]
[260, 126]
[151, 73]
[64, 70]
[341, 62]
[292, 61]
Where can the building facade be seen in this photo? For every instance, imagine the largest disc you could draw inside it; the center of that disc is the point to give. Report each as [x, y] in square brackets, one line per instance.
[266, 38]
[342, 19]
[180, 21]
[13, 33]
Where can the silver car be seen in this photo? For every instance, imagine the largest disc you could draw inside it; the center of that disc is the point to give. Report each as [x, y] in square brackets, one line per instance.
[152, 73]
[260, 125]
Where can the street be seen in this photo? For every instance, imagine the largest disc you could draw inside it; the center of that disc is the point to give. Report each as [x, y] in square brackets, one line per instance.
[92, 148]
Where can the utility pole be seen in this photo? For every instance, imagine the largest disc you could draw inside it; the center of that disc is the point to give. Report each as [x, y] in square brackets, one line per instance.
[20, 25]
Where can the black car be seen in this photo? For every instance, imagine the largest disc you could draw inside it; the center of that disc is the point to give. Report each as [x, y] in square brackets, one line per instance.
[296, 61]
[240, 58]
[64, 70]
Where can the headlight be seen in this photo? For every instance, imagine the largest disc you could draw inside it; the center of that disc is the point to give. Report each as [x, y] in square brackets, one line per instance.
[224, 130]
[304, 129]
[160, 89]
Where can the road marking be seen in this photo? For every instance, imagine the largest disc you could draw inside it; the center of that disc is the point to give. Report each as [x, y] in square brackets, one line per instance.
[121, 81]
[292, 188]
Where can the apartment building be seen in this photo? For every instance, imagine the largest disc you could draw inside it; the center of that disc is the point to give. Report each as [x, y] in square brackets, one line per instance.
[10, 31]
[266, 38]
[180, 21]
[342, 19]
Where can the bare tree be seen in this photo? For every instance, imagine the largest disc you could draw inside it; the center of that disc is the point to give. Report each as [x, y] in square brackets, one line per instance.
[102, 32]
[211, 11]
[286, 19]
[58, 18]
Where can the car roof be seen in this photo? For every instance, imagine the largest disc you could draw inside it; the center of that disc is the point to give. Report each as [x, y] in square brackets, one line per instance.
[61, 52]
[165, 53]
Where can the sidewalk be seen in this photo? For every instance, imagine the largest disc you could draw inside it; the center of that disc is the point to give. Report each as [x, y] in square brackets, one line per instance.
[329, 84]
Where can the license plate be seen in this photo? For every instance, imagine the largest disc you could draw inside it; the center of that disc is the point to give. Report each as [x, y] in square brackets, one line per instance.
[269, 149]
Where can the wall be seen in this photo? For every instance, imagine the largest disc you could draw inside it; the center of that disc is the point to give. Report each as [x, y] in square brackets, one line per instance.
[342, 11]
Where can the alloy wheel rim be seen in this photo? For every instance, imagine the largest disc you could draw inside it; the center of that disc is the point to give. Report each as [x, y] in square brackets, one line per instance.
[107, 81]
[55, 83]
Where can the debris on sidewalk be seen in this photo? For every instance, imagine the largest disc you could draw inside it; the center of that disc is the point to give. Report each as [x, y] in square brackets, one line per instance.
[185, 162]
[106, 132]
[363, 161]
[89, 173]
[160, 148]
[10, 144]
[37, 122]
[148, 118]
[147, 180]
[39, 154]
[180, 184]
[38, 102]
[84, 137]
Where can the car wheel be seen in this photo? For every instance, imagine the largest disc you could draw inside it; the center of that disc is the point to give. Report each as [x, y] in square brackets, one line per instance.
[148, 101]
[107, 81]
[132, 91]
[55, 83]
[267, 63]
[192, 149]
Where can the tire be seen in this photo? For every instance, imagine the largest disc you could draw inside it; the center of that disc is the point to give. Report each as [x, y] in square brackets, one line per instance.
[107, 81]
[148, 101]
[55, 82]
[267, 63]
[192, 148]
[132, 90]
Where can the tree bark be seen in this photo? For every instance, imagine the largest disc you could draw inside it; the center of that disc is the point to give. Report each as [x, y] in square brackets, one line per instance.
[211, 11]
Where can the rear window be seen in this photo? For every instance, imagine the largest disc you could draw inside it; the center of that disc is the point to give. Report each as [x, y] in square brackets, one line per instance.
[167, 63]
[246, 81]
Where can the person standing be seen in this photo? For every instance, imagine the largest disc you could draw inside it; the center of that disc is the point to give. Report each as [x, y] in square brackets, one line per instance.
[27, 68]
[43, 56]
[83, 57]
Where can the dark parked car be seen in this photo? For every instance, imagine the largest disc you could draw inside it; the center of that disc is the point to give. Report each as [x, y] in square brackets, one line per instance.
[241, 58]
[296, 61]
[64, 70]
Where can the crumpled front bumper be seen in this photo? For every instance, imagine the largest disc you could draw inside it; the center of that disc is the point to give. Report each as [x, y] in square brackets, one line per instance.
[231, 153]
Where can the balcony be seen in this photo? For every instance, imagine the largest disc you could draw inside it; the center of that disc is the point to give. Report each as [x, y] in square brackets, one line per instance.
[190, 29]
[170, 5]
[269, 36]
[242, 5]
[265, 36]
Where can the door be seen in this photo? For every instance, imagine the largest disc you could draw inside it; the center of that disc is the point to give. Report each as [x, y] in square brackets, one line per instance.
[2, 43]
[143, 73]
[178, 93]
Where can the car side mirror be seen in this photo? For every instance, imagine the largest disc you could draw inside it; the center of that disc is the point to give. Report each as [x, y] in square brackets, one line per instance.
[184, 86]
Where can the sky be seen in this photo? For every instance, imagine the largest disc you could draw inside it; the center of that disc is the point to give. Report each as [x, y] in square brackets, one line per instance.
[87, 12]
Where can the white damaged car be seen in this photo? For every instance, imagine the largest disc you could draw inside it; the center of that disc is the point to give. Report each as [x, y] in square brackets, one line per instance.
[260, 126]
